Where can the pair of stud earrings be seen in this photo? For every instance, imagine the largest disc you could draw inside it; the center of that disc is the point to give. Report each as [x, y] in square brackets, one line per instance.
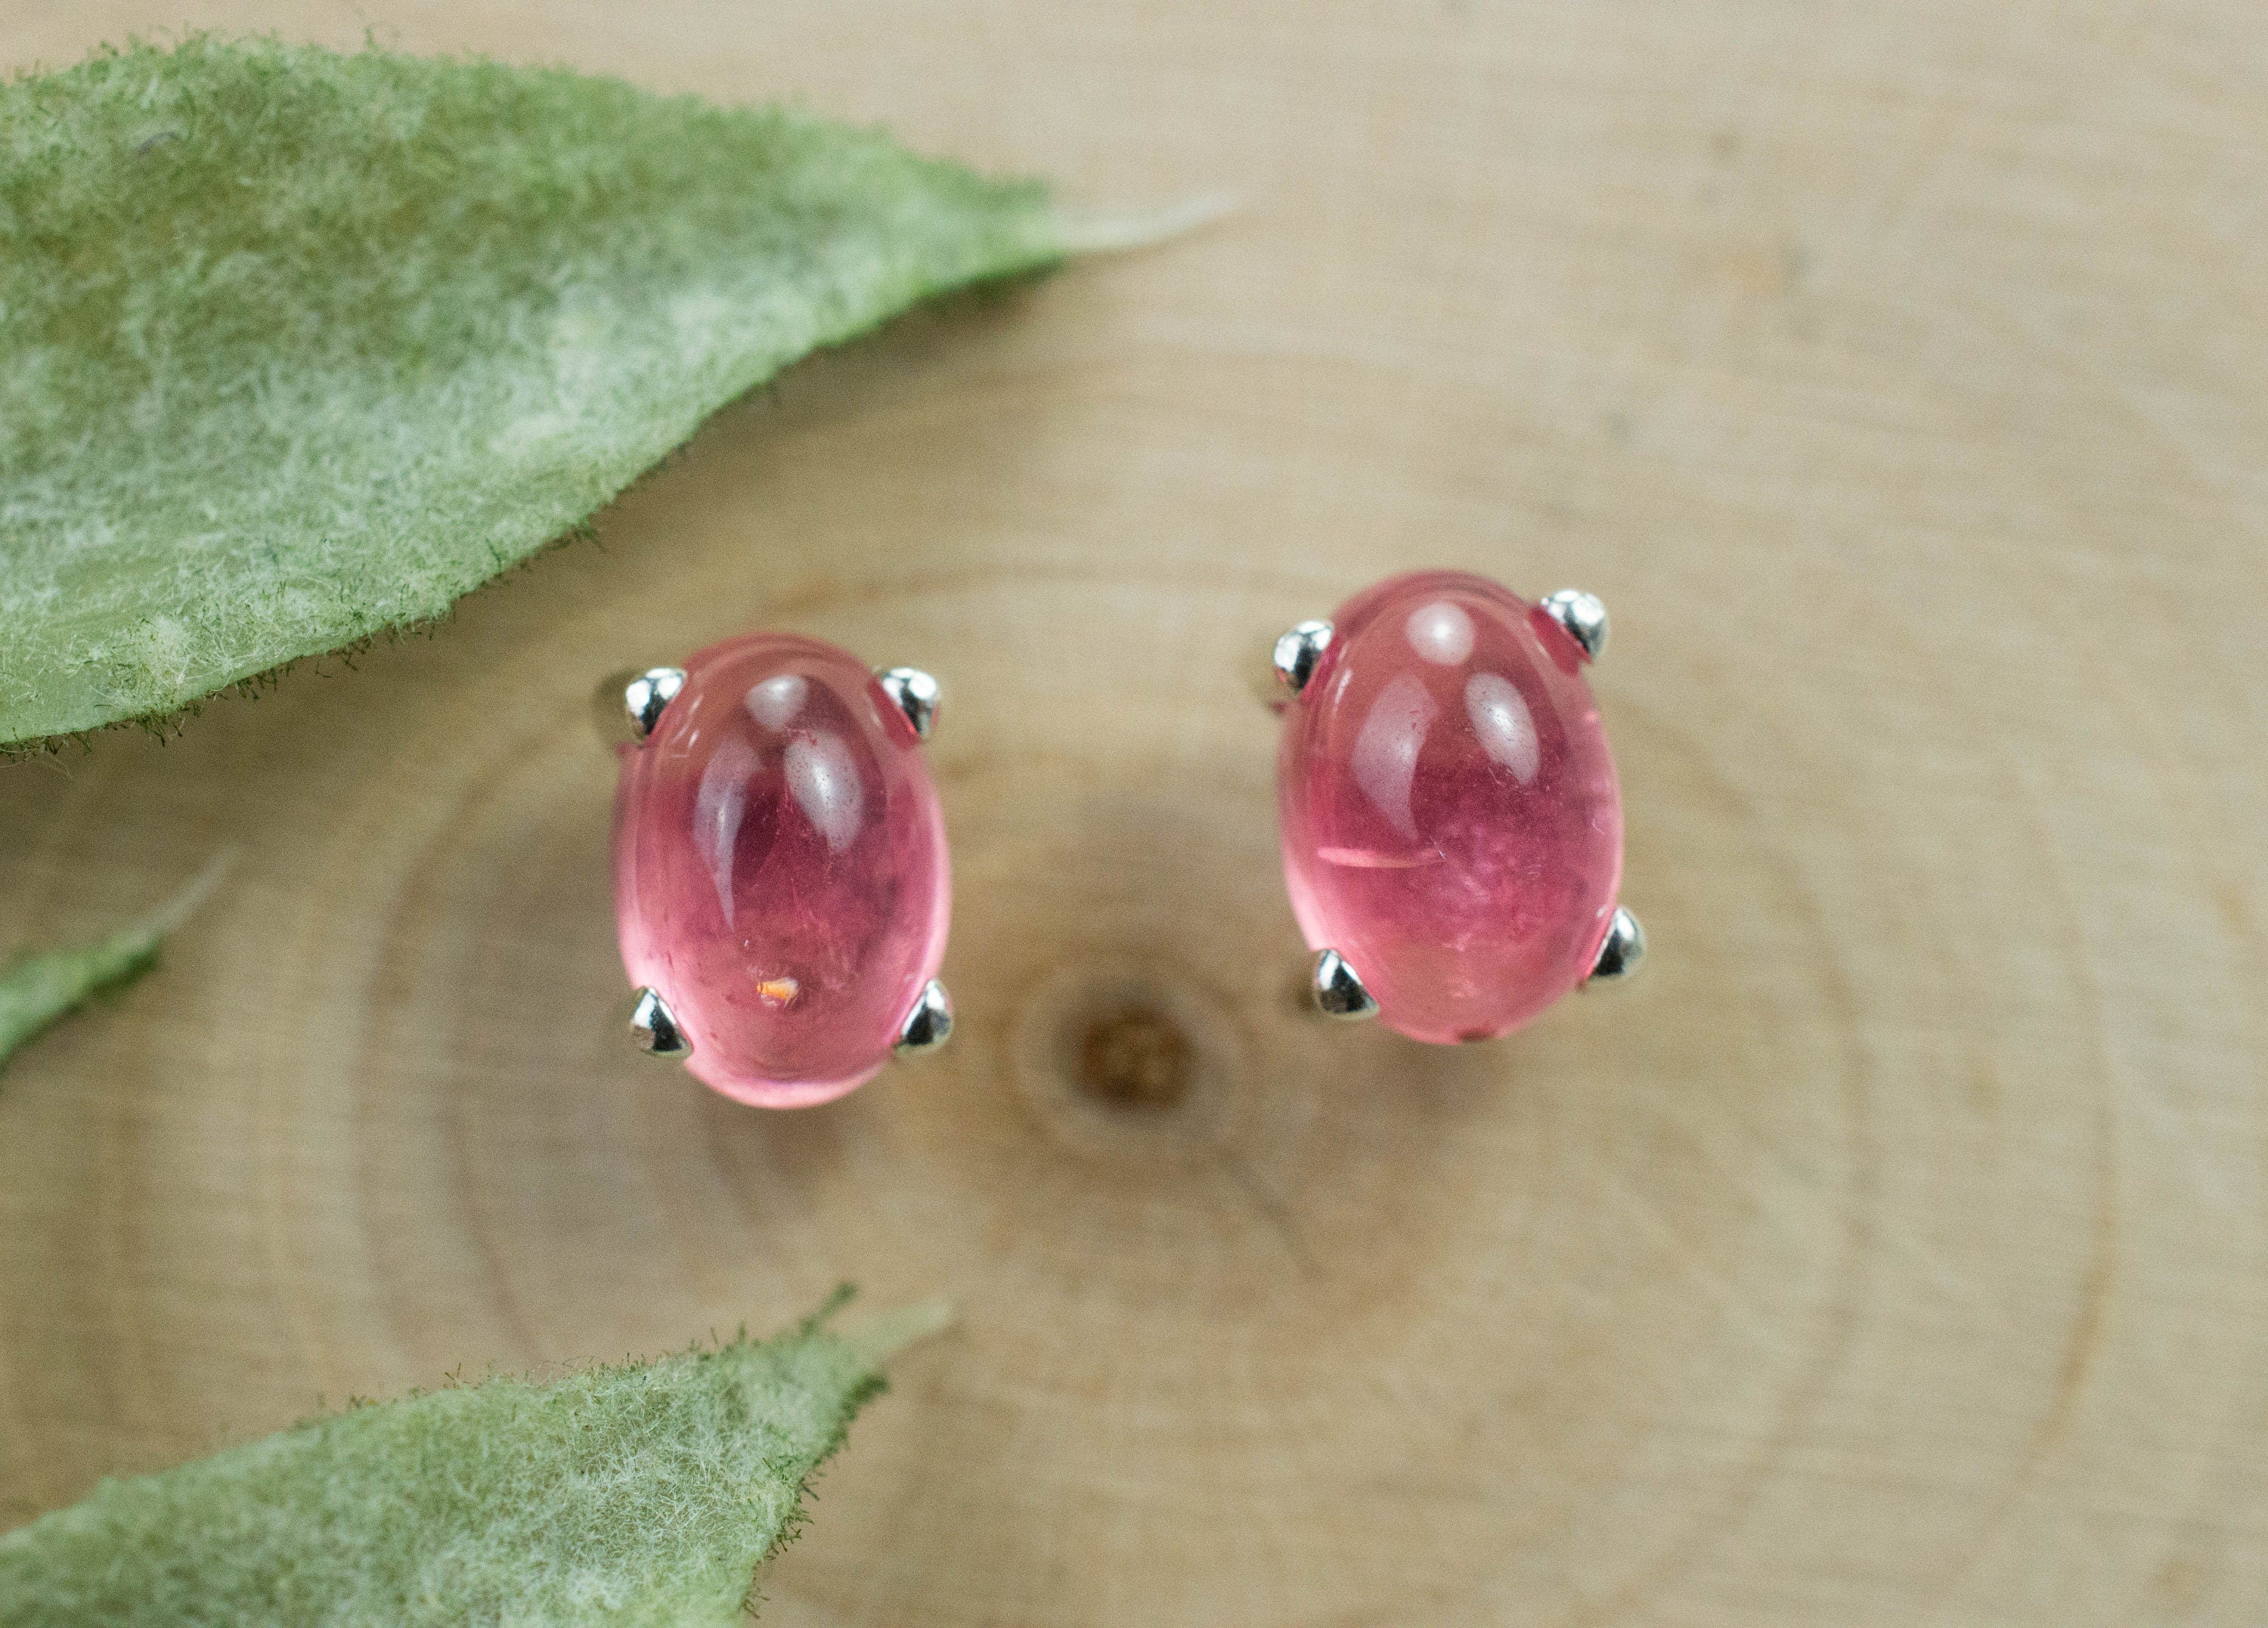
[1450, 820]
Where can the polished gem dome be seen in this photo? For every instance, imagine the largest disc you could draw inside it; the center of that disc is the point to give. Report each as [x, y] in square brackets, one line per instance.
[780, 869]
[1450, 820]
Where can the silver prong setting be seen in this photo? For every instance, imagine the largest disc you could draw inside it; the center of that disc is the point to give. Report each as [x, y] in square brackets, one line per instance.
[1621, 951]
[1584, 616]
[646, 696]
[1338, 993]
[653, 1028]
[1298, 652]
[915, 693]
[929, 1025]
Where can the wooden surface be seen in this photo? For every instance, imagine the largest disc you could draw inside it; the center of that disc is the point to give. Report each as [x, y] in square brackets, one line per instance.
[1895, 1252]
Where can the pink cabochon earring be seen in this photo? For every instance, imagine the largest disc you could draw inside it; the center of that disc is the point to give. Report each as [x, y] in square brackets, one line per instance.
[781, 886]
[1451, 825]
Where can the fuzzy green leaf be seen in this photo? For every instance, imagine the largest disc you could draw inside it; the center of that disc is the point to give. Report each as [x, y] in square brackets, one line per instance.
[297, 348]
[644, 1494]
[38, 990]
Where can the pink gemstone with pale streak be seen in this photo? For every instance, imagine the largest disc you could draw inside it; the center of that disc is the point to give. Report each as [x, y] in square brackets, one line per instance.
[1450, 820]
[780, 869]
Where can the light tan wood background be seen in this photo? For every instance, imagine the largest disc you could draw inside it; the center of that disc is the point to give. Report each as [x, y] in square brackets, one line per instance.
[1895, 1252]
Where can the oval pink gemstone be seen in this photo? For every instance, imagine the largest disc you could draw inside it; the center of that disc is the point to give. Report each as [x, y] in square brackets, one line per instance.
[780, 869]
[1450, 818]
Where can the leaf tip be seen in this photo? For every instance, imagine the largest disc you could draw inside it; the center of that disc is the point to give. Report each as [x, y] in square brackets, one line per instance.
[185, 904]
[888, 1334]
[1112, 231]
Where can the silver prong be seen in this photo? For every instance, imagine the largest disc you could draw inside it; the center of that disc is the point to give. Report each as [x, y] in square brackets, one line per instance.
[653, 1028]
[1623, 948]
[1338, 993]
[629, 705]
[1298, 652]
[929, 1025]
[1584, 616]
[913, 692]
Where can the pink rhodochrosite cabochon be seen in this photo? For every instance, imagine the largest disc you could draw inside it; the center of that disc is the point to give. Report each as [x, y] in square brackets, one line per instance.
[1450, 820]
[780, 868]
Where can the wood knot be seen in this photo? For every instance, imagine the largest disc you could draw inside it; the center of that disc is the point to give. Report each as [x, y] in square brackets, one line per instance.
[1135, 1056]
[1131, 1061]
